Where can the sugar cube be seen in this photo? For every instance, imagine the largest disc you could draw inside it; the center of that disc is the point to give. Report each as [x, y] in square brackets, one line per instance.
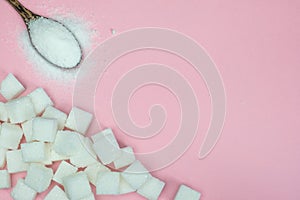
[4, 179]
[48, 160]
[125, 187]
[108, 183]
[67, 143]
[2, 156]
[27, 130]
[56, 194]
[106, 147]
[15, 162]
[79, 120]
[106, 133]
[44, 129]
[22, 191]
[93, 170]
[10, 136]
[61, 117]
[126, 158]
[64, 169]
[20, 110]
[186, 192]
[89, 197]
[34, 152]
[38, 177]
[151, 189]
[136, 175]
[85, 155]
[57, 157]
[3, 113]
[11, 87]
[40, 100]
[77, 186]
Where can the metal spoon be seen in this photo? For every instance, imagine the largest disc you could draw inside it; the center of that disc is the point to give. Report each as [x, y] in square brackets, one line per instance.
[65, 39]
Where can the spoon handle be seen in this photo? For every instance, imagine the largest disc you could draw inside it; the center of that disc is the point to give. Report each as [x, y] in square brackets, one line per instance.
[26, 14]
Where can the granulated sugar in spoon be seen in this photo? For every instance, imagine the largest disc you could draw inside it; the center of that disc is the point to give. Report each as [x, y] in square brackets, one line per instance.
[50, 38]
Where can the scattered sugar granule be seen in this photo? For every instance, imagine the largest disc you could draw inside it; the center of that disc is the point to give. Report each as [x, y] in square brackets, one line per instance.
[113, 31]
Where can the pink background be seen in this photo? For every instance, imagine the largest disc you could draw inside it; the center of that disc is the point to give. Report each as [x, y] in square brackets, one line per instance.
[255, 45]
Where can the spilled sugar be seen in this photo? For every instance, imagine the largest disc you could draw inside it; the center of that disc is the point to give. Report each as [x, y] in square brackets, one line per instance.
[55, 42]
[82, 31]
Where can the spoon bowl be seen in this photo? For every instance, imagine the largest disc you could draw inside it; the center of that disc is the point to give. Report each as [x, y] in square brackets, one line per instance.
[51, 39]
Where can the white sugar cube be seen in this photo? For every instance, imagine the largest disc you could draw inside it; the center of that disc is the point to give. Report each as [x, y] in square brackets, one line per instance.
[126, 158]
[40, 100]
[56, 194]
[93, 170]
[186, 192]
[67, 143]
[61, 117]
[34, 152]
[3, 113]
[22, 191]
[38, 177]
[125, 187]
[64, 169]
[20, 110]
[4, 179]
[15, 162]
[109, 135]
[85, 155]
[48, 160]
[27, 130]
[136, 175]
[77, 186]
[108, 183]
[2, 156]
[106, 147]
[44, 129]
[151, 189]
[11, 87]
[57, 157]
[89, 197]
[10, 136]
[79, 120]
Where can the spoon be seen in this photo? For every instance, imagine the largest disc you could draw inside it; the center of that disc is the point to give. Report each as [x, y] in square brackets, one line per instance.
[50, 38]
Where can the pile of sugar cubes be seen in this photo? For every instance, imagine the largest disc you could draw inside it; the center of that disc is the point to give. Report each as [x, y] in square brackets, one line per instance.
[51, 136]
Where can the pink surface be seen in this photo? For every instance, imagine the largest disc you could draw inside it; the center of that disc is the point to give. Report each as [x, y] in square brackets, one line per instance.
[255, 45]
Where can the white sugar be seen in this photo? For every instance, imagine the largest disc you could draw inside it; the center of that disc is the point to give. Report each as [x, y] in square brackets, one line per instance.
[83, 32]
[55, 42]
